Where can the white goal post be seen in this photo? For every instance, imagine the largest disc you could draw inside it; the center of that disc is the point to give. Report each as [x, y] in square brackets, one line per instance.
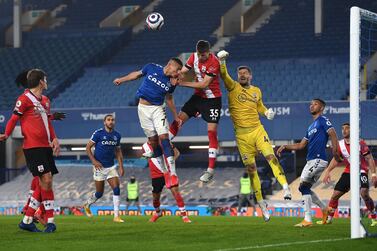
[357, 14]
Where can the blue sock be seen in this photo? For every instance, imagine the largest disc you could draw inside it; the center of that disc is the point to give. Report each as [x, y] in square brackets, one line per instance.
[168, 150]
[116, 191]
[157, 152]
[98, 195]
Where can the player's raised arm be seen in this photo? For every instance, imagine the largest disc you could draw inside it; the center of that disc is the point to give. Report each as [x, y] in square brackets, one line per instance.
[228, 81]
[97, 165]
[297, 146]
[129, 77]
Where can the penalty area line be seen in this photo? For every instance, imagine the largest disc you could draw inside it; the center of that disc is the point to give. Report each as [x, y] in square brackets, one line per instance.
[282, 244]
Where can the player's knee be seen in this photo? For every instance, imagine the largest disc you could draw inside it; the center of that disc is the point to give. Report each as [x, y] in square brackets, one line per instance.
[271, 157]
[304, 188]
[46, 181]
[251, 168]
[116, 191]
[98, 194]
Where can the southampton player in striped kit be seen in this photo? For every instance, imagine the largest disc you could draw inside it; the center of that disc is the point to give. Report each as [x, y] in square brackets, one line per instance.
[158, 84]
[106, 142]
[316, 138]
[158, 183]
[206, 100]
[245, 105]
[40, 144]
[343, 184]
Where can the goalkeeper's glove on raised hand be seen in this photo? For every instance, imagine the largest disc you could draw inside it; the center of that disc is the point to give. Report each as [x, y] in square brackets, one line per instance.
[270, 114]
[222, 55]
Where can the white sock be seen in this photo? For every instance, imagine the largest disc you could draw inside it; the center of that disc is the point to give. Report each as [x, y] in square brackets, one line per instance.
[307, 207]
[162, 164]
[316, 200]
[285, 186]
[92, 199]
[116, 202]
[171, 163]
[211, 170]
[171, 136]
[27, 219]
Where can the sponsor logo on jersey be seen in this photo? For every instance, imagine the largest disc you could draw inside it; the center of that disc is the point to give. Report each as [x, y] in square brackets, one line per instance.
[312, 131]
[108, 142]
[159, 83]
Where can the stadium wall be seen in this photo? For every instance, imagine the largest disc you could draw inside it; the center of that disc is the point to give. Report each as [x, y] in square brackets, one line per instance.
[290, 123]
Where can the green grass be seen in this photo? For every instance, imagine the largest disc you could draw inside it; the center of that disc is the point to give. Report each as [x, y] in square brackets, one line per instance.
[169, 233]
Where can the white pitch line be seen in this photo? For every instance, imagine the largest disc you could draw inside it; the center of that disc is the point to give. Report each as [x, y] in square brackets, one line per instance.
[281, 244]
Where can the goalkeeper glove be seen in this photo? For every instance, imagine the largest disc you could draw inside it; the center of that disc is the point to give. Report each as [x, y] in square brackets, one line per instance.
[222, 55]
[270, 114]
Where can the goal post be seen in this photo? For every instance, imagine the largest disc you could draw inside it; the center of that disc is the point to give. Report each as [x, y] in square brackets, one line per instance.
[358, 58]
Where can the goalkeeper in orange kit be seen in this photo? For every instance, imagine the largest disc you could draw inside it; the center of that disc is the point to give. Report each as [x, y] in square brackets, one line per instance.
[245, 105]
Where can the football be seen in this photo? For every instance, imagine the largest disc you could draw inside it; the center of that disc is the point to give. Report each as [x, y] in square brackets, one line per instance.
[155, 21]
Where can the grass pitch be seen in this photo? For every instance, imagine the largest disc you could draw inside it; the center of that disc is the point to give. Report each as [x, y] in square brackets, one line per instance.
[170, 233]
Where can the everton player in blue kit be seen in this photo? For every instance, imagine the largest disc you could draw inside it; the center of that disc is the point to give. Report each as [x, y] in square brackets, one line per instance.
[107, 147]
[158, 84]
[316, 138]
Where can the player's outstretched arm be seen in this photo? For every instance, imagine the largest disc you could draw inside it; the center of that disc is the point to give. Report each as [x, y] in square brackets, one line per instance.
[198, 85]
[119, 157]
[334, 143]
[129, 77]
[326, 177]
[97, 165]
[9, 127]
[297, 146]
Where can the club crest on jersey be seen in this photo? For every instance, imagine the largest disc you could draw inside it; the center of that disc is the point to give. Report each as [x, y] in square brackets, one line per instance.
[41, 168]
[204, 68]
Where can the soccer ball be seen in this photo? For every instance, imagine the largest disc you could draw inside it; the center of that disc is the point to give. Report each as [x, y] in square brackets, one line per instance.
[154, 21]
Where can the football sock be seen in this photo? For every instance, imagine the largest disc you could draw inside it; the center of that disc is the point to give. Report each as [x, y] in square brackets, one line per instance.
[156, 205]
[93, 198]
[35, 202]
[173, 130]
[34, 184]
[178, 198]
[370, 205]
[278, 171]
[316, 200]
[116, 201]
[212, 150]
[169, 154]
[48, 203]
[256, 186]
[307, 198]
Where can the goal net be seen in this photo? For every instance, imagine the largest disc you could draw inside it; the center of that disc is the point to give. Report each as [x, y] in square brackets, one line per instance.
[363, 107]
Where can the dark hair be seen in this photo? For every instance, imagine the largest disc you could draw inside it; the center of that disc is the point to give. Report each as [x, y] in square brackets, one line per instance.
[323, 103]
[346, 124]
[106, 116]
[244, 67]
[177, 60]
[202, 46]
[34, 76]
[21, 79]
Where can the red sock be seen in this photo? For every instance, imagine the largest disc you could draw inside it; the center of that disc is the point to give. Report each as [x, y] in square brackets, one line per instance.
[173, 129]
[212, 151]
[334, 205]
[34, 184]
[35, 202]
[48, 203]
[178, 198]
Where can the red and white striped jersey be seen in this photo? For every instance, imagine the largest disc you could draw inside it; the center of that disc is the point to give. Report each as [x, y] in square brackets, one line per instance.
[36, 127]
[344, 149]
[211, 67]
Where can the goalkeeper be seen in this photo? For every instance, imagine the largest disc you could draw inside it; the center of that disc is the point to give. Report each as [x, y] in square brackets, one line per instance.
[245, 105]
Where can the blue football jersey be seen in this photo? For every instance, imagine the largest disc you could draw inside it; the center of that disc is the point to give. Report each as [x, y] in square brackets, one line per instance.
[105, 144]
[155, 85]
[317, 138]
